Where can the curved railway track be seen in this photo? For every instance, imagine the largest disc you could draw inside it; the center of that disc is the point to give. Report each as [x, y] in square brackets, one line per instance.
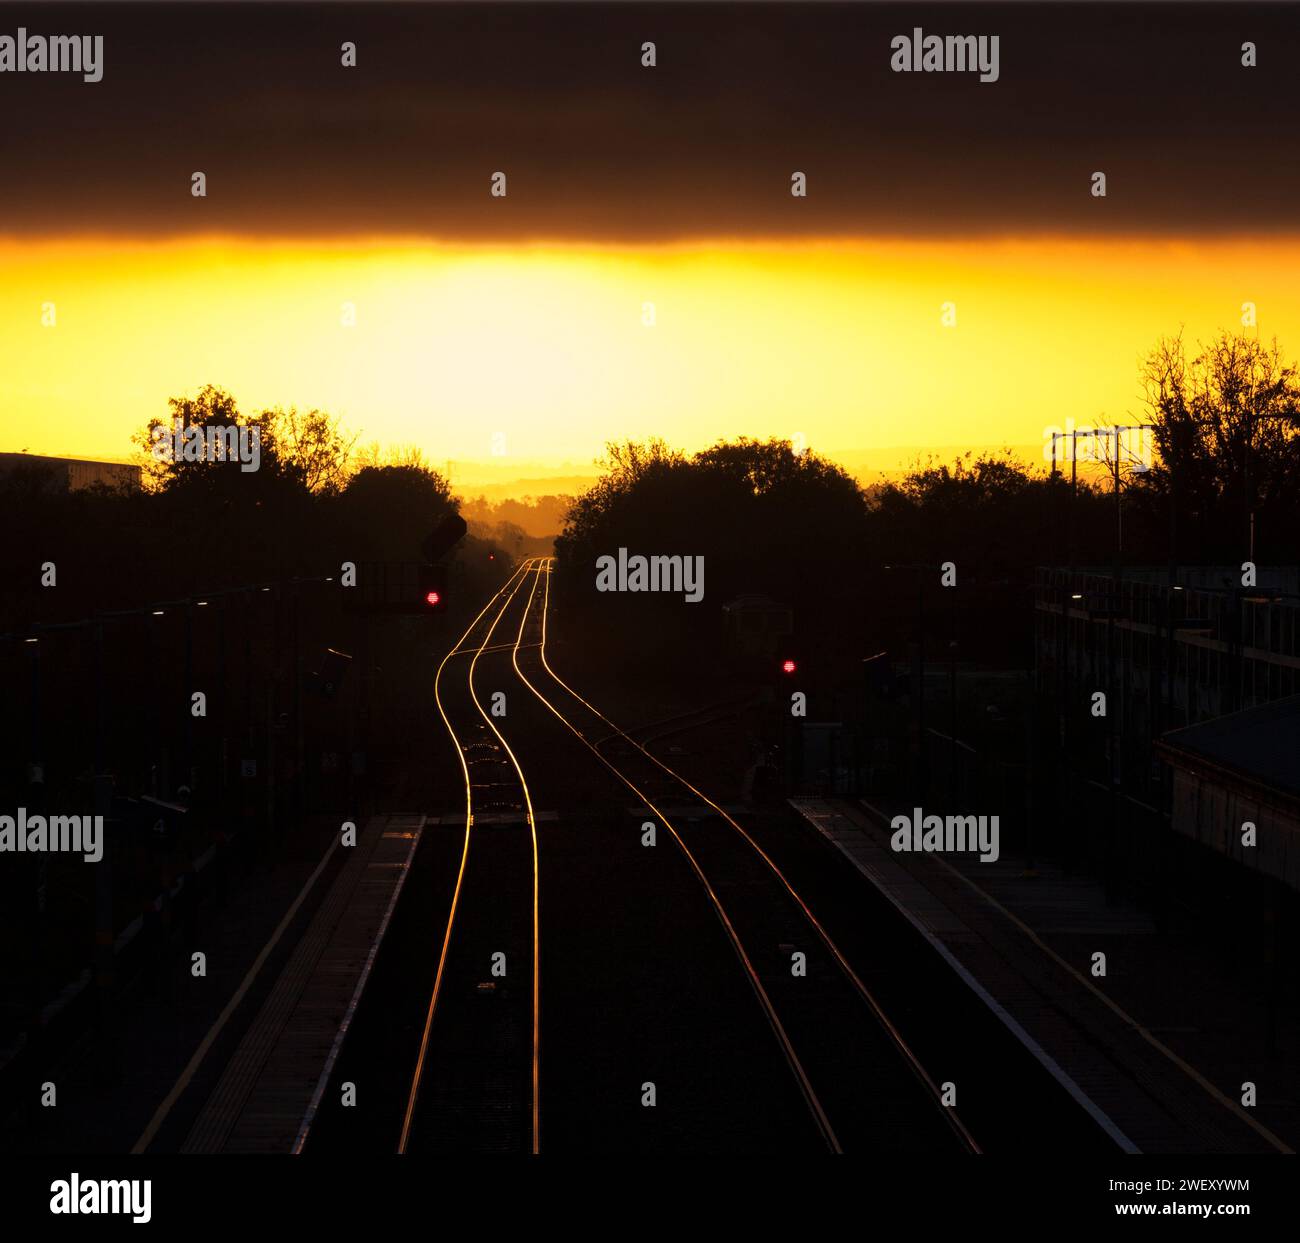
[463, 1091]
[835, 1037]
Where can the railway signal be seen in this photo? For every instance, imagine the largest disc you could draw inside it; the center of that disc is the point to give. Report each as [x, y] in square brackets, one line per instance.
[433, 587]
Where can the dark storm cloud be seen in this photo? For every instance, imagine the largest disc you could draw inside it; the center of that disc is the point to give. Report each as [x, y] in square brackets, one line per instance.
[596, 147]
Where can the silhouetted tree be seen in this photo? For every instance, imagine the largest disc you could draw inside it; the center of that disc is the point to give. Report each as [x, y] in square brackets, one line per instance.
[765, 519]
[306, 449]
[1227, 432]
[212, 409]
[312, 445]
[387, 510]
[991, 515]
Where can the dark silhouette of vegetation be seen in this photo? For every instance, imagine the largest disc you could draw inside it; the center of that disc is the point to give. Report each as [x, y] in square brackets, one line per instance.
[1227, 431]
[748, 507]
[992, 516]
[201, 525]
[797, 528]
[302, 450]
[390, 508]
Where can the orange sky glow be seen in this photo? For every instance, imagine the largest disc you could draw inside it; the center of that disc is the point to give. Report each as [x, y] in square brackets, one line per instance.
[539, 354]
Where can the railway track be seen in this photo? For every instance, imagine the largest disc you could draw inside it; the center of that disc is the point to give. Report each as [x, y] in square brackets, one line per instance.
[769, 1003]
[863, 1087]
[475, 1085]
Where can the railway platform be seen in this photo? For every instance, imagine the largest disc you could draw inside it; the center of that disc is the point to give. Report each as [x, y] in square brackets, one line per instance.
[1024, 945]
[268, 1092]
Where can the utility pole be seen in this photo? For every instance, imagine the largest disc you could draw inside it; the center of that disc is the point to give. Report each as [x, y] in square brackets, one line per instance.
[1114, 675]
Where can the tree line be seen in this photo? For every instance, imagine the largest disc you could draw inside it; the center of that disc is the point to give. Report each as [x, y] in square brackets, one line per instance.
[795, 526]
[314, 501]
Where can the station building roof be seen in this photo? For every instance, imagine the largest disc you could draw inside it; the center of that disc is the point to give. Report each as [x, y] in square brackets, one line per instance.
[1259, 745]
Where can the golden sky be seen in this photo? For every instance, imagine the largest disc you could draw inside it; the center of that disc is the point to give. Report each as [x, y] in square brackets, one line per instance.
[539, 354]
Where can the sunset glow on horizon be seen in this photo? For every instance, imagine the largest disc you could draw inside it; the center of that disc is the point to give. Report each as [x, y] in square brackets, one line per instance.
[543, 350]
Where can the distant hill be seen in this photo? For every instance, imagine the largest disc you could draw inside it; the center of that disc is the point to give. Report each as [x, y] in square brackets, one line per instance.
[536, 516]
[524, 489]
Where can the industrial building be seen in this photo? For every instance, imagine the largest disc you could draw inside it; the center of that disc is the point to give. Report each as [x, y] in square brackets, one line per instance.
[73, 474]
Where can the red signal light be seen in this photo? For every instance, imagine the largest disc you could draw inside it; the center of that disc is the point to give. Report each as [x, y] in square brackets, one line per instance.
[433, 586]
[788, 666]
